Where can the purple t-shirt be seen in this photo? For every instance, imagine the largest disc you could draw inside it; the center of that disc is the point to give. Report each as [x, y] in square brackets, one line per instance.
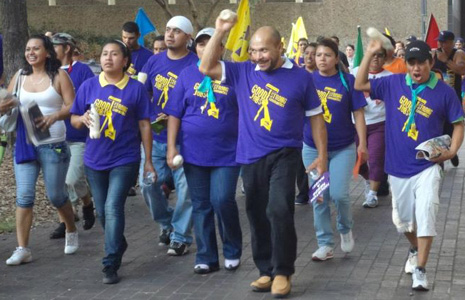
[78, 73]
[208, 135]
[139, 58]
[121, 106]
[340, 105]
[435, 106]
[272, 106]
[162, 74]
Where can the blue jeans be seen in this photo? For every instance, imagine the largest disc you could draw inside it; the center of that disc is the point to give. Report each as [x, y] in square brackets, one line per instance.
[180, 218]
[213, 192]
[109, 190]
[53, 159]
[341, 162]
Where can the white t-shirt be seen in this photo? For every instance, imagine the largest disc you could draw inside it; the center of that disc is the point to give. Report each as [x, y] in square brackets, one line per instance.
[374, 111]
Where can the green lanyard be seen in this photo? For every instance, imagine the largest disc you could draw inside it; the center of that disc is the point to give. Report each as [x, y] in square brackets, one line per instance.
[206, 86]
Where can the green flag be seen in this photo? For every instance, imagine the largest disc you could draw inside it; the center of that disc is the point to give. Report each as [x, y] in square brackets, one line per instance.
[358, 49]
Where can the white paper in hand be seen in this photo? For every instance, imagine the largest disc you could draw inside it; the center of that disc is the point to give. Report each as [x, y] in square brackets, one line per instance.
[94, 130]
[374, 34]
[227, 15]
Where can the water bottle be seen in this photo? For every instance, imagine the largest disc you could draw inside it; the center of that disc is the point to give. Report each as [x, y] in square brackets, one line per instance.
[149, 178]
[314, 174]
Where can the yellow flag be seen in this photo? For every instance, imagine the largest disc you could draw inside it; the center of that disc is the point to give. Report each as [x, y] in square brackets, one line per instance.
[238, 40]
[298, 32]
[386, 30]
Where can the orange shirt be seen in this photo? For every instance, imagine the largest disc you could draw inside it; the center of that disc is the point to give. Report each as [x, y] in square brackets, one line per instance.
[397, 66]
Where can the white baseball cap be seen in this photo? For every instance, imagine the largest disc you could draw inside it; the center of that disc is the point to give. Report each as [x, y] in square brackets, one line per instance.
[208, 31]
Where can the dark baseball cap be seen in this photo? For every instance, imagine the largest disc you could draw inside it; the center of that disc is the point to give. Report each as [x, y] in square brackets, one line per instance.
[62, 38]
[412, 38]
[418, 50]
[446, 35]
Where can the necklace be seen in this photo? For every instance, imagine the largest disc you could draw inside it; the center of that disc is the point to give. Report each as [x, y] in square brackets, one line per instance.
[36, 83]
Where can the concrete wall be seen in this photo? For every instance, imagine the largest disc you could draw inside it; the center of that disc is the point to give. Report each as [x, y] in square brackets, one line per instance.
[328, 17]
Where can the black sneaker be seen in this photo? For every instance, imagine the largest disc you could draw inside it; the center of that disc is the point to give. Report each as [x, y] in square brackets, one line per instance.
[88, 216]
[177, 249]
[59, 232]
[301, 200]
[164, 238]
[383, 189]
[109, 275]
[132, 192]
[455, 161]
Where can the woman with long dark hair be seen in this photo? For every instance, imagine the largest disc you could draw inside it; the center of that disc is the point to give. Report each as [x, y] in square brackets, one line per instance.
[42, 81]
[339, 100]
[112, 159]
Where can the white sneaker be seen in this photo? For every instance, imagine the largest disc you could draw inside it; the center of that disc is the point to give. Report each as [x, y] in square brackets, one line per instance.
[367, 188]
[72, 242]
[323, 253]
[231, 264]
[371, 201]
[411, 262]
[20, 255]
[347, 242]
[420, 282]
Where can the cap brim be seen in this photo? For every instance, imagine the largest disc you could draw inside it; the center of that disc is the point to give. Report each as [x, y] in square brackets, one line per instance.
[201, 36]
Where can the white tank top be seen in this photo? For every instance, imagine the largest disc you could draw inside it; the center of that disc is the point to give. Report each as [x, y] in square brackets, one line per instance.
[49, 102]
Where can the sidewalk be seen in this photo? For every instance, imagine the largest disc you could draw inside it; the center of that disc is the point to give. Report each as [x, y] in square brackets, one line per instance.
[374, 270]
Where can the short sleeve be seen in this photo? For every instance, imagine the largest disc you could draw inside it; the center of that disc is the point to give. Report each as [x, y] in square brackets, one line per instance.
[143, 103]
[357, 99]
[379, 86]
[312, 103]
[79, 105]
[454, 111]
[231, 73]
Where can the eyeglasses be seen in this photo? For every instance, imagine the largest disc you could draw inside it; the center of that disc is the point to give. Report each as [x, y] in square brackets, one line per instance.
[379, 55]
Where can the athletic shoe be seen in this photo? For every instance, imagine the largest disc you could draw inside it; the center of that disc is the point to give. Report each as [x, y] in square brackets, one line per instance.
[21, 255]
[371, 201]
[59, 232]
[411, 262]
[367, 188]
[231, 264]
[455, 161]
[323, 253]
[109, 275]
[72, 242]
[88, 216]
[347, 242]
[132, 192]
[177, 249]
[420, 282]
[301, 200]
[204, 269]
[164, 237]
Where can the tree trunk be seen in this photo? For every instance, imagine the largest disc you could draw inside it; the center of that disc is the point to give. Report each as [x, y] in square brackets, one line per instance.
[15, 35]
[165, 8]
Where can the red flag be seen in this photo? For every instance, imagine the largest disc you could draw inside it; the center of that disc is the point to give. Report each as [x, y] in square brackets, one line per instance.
[432, 33]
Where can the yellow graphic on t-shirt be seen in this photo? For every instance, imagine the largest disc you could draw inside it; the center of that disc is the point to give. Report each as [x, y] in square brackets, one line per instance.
[164, 84]
[326, 94]
[131, 71]
[105, 108]
[263, 97]
[213, 111]
[405, 105]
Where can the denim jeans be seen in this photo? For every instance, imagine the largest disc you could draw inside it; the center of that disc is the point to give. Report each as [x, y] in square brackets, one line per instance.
[76, 178]
[178, 218]
[341, 162]
[269, 187]
[109, 190]
[213, 192]
[53, 159]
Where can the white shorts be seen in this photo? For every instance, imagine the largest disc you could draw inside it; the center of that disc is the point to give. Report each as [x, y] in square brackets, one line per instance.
[415, 201]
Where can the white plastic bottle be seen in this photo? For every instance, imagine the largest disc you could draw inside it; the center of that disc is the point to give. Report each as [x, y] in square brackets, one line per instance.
[94, 130]
[178, 160]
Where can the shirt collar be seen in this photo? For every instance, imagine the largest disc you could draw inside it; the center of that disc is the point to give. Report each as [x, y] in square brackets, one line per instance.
[432, 82]
[286, 65]
[121, 84]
